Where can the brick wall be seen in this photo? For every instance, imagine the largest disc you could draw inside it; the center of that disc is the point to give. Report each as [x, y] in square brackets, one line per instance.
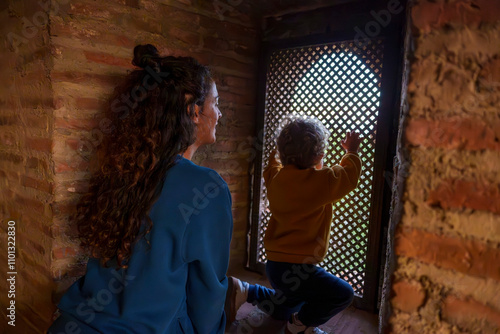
[51, 115]
[26, 174]
[446, 275]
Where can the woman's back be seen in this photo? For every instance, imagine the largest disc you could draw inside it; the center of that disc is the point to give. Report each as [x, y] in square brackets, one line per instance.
[178, 279]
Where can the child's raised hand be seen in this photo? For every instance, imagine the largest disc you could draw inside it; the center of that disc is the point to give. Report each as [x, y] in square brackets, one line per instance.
[351, 141]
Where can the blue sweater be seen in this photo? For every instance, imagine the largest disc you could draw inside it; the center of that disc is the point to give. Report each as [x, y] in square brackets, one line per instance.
[177, 284]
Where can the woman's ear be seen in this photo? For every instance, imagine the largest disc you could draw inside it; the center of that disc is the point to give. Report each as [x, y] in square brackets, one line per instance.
[195, 115]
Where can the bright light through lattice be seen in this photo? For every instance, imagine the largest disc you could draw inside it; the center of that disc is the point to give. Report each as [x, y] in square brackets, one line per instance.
[341, 76]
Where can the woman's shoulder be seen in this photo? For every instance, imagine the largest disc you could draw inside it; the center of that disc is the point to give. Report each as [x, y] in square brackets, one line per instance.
[195, 173]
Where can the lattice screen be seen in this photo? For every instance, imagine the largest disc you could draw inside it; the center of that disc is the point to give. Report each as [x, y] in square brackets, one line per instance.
[340, 85]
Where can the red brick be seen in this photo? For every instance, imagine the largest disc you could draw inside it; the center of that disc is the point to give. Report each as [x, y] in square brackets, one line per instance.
[90, 103]
[39, 144]
[42, 185]
[86, 78]
[87, 10]
[408, 296]
[228, 30]
[8, 139]
[460, 194]
[77, 186]
[11, 157]
[244, 99]
[61, 167]
[225, 146]
[36, 121]
[231, 179]
[233, 65]
[214, 43]
[191, 39]
[64, 252]
[427, 16]
[229, 166]
[64, 208]
[37, 164]
[490, 74]
[8, 120]
[107, 59]
[239, 198]
[490, 10]
[62, 29]
[232, 81]
[467, 312]
[76, 124]
[33, 204]
[467, 256]
[467, 133]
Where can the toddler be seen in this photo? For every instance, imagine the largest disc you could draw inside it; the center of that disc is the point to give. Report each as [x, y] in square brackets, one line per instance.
[301, 195]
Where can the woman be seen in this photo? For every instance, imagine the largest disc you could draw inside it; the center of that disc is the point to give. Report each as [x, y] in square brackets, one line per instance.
[157, 226]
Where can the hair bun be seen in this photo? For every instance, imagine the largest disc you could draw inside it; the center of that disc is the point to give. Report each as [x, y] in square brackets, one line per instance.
[143, 55]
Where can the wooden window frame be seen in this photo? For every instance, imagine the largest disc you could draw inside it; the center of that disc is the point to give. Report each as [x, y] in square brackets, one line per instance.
[385, 148]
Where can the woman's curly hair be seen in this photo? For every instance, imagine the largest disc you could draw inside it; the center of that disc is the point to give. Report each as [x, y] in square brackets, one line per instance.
[301, 141]
[150, 125]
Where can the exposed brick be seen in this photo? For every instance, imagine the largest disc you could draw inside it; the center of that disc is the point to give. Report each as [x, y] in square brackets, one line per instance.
[215, 43]
[76, 186]
[8, 120]
[225, 146]
[108, 59]
[229, 166]
[11, 157]
[80, 77]
[467, 256]
[65, 252]
[61, 29]
[185, 36]
[42, 185]
[427, 16]
[65, 208]
[233, 64]
[33, 204]
[36, 121]
[467, 133]
[37, 164]
[490, 10]
[490, 74]
[62, 167]
[89, 10]
[233, 81]
[8, 139]
[467, 312]
[459, 194]
[77, 124]
[408, 296]
[244, 99]
[39, 144]
[239, 198]
[89, 103]
[231, 179]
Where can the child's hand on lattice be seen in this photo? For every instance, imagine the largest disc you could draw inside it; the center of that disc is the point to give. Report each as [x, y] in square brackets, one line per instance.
[351, 142]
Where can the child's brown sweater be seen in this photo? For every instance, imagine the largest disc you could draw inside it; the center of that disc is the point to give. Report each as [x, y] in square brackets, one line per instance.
[301, 204]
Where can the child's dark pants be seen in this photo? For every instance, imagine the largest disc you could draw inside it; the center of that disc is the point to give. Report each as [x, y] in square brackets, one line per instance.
[304, 288]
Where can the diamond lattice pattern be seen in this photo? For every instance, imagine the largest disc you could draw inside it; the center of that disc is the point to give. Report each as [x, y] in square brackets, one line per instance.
[340, 85]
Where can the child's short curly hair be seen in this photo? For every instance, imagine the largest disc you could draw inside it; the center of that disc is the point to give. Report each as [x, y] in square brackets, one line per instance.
[301, 141]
